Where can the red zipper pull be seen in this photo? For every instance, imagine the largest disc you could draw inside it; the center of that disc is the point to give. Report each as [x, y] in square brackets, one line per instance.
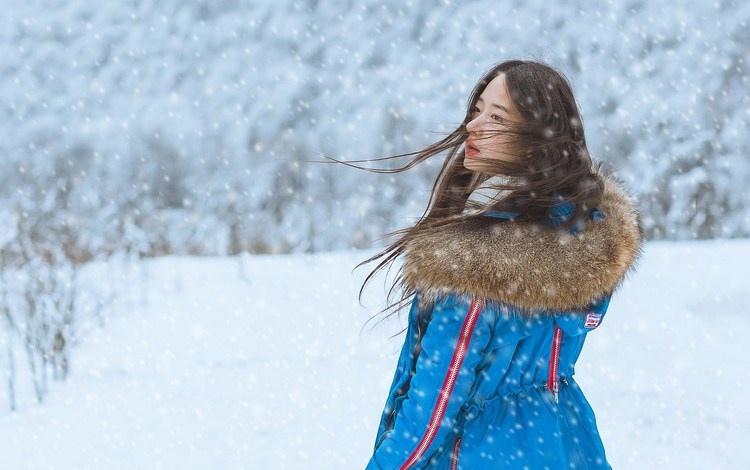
[552, 380]
[454, 454]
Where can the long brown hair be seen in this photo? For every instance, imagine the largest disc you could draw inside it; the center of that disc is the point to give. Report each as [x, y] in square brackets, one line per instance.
[553, 163]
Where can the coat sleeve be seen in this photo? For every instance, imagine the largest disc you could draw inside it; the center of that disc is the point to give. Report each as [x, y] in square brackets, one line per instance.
[452, 346]
[401, 373]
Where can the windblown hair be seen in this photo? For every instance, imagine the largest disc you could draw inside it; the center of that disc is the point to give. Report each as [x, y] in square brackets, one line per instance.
[553, 163]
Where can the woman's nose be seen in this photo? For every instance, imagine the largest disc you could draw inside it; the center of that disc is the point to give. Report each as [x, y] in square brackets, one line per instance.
[473, 125]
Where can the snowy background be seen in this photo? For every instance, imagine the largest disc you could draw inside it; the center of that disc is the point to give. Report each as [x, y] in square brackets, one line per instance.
[224, 366]
[158, 199]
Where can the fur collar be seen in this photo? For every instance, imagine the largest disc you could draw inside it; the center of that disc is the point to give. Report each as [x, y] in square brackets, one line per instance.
[526, 265]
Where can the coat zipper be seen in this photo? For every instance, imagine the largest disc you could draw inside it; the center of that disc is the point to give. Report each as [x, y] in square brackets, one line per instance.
[553, 383]
[454, 454]
[450, 380]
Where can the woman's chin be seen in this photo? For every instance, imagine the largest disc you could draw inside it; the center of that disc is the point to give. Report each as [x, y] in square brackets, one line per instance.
[470, 165]
[474, 165]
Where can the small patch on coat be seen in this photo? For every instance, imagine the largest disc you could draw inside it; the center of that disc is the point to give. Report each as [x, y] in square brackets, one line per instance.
[592, 320]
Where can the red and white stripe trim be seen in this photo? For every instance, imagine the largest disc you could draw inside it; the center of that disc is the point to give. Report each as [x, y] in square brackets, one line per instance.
[554, 362]
[450, 381]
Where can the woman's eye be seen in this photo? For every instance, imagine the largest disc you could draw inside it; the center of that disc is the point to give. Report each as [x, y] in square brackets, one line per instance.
[496, 117]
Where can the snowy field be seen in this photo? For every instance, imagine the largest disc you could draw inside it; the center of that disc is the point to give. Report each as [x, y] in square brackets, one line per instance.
[276, 371]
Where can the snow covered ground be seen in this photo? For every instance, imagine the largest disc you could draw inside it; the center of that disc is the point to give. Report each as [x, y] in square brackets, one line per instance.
[276, 372]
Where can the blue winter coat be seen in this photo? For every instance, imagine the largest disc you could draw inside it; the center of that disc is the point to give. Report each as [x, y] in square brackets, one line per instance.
[507, 310]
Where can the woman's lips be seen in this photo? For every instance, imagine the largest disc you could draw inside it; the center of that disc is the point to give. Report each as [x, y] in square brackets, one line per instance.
[471, 151]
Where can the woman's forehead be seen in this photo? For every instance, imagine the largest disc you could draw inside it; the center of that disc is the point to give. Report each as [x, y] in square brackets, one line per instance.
[496, 94]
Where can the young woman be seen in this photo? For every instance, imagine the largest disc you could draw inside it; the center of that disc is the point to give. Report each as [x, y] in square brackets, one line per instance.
[512, 265]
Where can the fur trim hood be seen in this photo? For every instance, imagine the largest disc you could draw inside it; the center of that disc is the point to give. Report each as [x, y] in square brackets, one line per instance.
[526, 265]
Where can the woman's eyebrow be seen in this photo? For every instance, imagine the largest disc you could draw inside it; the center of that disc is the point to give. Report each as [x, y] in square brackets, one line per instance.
[496, 105]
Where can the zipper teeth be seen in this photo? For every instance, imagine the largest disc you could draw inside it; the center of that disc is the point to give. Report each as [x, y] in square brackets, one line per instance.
[450, 380]
[554, 360]
[454, 455]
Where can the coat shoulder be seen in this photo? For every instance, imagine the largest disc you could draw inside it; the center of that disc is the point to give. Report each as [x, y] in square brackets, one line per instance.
[529, 266]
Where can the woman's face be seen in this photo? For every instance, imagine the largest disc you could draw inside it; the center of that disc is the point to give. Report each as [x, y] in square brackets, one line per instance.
[493, 106]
